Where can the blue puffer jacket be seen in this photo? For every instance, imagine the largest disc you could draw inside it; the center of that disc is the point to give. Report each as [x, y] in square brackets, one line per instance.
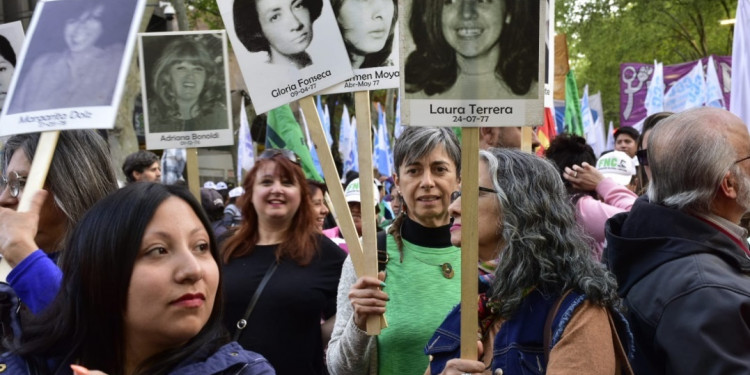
[230, 359]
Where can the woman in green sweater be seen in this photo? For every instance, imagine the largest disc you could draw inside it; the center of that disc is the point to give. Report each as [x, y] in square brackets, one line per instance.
[423, 267]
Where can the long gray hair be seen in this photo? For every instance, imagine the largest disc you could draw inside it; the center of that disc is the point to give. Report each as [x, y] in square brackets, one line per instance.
[542, 245]
[81, 172]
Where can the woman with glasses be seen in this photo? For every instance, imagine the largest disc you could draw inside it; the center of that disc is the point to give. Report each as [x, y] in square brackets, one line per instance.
[280, 272]
[545, 305]
[595, 197]
[422, 268]
[80, 175]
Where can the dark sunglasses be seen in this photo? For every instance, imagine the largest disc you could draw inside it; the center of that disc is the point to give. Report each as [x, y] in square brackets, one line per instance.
[270, 153]
[642, 156]
[457, 194]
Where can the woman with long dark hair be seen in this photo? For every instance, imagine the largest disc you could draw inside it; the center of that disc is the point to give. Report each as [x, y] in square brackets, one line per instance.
[473, 49]
[279, 238]
[141, 294]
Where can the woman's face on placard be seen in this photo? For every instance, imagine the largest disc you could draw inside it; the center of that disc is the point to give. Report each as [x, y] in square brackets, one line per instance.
[472, 27]
[6, 72]
[188, 80]
[366, 24]
[286, 24]
[82, 32]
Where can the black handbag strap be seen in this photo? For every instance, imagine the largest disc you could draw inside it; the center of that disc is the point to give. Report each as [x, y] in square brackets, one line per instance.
[242, 323]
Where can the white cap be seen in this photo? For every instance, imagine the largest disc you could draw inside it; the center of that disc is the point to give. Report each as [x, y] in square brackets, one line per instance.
[351, 194]
[209, 185]
[618, 166]
[236, 192]
[221, 185]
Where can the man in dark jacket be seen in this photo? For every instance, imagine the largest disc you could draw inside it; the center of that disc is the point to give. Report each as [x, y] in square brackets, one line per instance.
[680, 258]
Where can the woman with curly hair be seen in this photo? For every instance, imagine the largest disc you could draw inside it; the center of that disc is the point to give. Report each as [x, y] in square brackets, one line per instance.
[188, 89]
[545, 305]
[462, 45]
[282, 28]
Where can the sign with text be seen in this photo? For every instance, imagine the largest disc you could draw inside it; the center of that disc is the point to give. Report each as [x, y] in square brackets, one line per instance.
[73, 66]
[473, 63]
[185, 90]
[286, 49]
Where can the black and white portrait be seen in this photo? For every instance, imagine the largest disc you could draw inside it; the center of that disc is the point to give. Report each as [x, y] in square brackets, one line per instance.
[286, 49]
[281, 28]
[184, 79]
[73, 66]
[368, 28]
[463, 50]
[74, 56]
[11, 40]
[370, 32]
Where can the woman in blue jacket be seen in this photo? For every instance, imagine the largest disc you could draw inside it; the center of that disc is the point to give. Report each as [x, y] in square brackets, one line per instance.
[140, 294]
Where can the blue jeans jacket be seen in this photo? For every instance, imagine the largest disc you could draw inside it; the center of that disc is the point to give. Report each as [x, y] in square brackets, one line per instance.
[519, 345]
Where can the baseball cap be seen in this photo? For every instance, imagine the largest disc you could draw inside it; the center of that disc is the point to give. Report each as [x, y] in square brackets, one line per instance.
[618, 166]
[221, 185]
[351, 194]
[209, 185]
[236, 192]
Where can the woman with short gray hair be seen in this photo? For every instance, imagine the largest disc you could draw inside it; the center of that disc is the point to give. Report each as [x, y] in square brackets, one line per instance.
[422, 267]
[80, 174]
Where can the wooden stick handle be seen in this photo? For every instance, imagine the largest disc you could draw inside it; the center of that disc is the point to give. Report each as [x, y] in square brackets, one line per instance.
[469, 241]
[346, 224]
[366, 195]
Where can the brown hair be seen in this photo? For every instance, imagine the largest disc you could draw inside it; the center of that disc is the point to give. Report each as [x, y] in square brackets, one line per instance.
[301, 242]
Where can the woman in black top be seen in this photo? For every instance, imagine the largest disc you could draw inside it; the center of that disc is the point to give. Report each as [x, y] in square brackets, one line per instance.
[279, 229]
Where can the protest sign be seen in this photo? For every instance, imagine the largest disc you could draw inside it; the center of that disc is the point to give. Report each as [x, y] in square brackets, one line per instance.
[185, 90]
[484, 70]
[73, 66]
[279, 63]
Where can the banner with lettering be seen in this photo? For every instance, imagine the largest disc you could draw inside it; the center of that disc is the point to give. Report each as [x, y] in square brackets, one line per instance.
[635, 78]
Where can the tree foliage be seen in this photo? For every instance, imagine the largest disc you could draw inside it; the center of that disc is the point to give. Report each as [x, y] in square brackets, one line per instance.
[602, 34]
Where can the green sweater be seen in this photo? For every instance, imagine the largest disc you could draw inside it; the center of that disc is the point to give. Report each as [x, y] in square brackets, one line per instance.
[420, 298]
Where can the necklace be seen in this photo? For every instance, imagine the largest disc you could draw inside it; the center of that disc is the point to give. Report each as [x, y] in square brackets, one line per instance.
[446, 268]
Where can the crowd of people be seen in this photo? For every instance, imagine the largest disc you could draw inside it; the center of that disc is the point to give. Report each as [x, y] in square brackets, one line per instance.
[580, 271]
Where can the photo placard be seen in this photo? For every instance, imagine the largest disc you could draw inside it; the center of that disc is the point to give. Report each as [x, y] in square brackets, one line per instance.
[286, 49]
[473, 64]
[73, 66]
[185, 90]
[371, 35]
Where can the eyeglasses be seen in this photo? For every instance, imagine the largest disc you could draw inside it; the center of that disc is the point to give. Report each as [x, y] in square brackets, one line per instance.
[741, 160]
[270, 153]
[642, 156]
[457, 194]
[16, 183]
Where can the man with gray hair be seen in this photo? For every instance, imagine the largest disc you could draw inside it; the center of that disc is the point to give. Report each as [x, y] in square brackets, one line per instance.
[681, 261]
